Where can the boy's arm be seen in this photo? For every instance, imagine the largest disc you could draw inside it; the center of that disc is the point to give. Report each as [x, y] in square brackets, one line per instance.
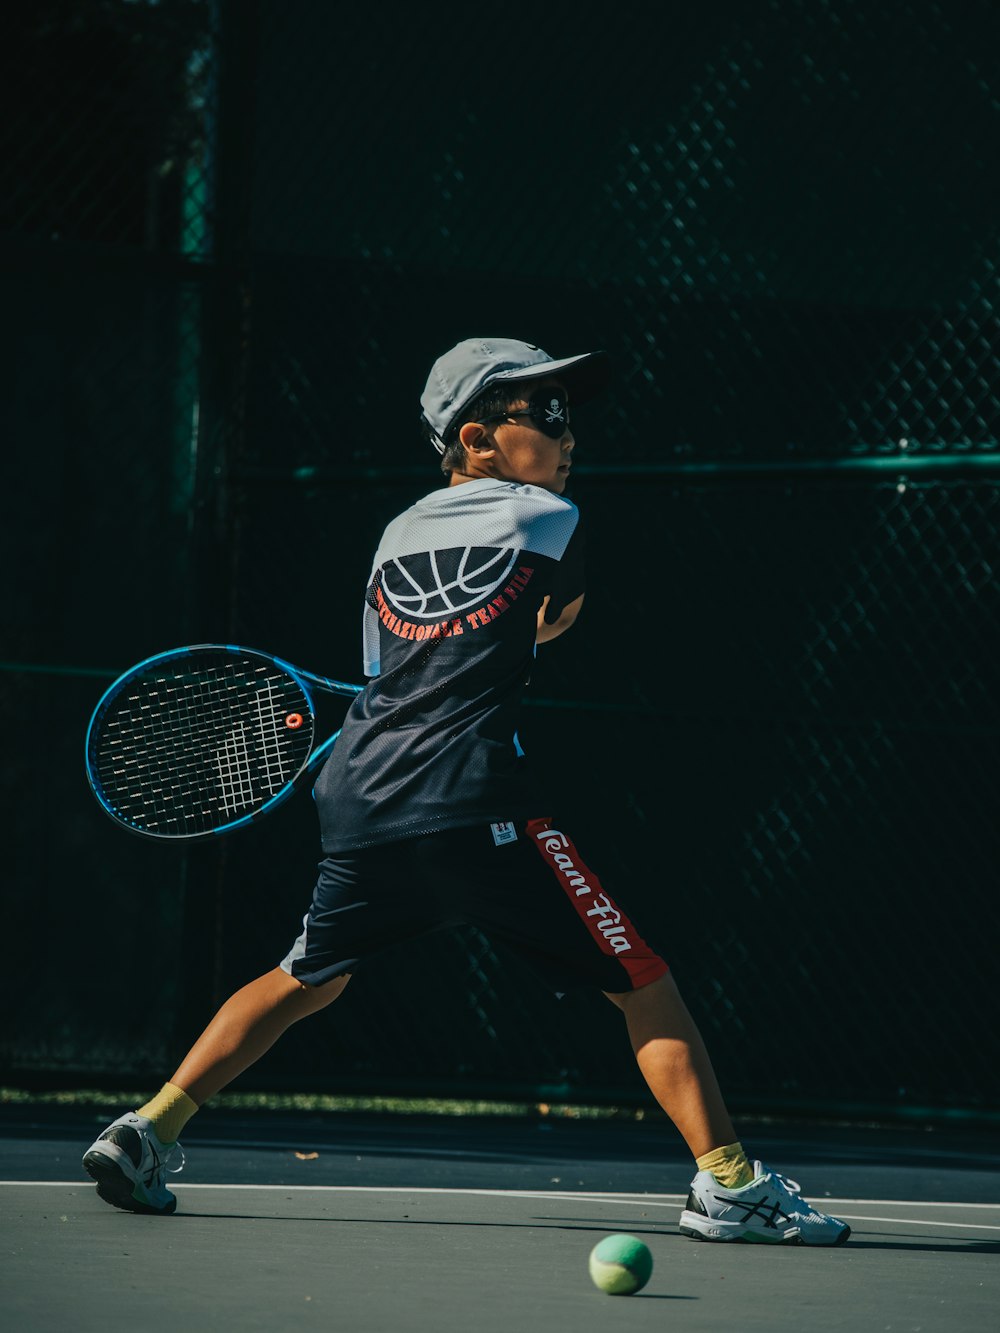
[569, 613]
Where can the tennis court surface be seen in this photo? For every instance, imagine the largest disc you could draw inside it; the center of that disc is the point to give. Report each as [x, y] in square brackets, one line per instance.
[398, 1223]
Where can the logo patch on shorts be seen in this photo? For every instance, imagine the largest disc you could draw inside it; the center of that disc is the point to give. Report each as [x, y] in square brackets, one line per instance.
[503, 833]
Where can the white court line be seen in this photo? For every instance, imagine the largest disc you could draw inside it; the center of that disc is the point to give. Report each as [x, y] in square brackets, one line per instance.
[649, 1200]
[907, 1203]
[921, 1222]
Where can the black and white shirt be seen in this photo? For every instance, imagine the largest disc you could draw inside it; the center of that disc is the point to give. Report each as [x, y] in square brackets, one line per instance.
[449, 630]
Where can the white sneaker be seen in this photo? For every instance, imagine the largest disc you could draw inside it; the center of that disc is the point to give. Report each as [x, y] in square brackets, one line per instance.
[129, 1163]
[770, 1210]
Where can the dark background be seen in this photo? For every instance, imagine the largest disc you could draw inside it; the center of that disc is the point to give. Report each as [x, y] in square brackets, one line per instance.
[235, 235]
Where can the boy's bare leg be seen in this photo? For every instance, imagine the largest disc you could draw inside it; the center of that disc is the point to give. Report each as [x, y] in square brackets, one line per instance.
[675, 1064]
[246, 1026]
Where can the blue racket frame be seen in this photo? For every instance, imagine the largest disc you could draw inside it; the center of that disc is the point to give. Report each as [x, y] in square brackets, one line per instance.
[304, 679]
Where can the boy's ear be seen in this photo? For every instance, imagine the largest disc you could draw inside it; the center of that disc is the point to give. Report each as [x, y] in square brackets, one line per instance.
[476, 439]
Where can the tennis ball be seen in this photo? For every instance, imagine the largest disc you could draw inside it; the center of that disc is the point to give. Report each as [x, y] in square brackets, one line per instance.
[620, 1265]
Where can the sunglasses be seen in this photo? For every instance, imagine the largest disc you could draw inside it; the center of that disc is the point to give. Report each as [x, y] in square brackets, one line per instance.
[548, 410]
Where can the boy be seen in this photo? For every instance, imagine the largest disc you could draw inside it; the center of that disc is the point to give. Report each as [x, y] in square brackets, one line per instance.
[428, 776]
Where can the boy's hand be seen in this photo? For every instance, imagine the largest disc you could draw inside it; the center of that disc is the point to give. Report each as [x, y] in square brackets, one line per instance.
[570, 612]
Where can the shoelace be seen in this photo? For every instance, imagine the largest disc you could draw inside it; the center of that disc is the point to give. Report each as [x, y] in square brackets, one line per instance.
[794, 1190]
[162, 1167]
[792, 1186]
[174, 1170]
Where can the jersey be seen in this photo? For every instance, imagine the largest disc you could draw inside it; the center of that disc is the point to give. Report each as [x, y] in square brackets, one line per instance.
[449, 626]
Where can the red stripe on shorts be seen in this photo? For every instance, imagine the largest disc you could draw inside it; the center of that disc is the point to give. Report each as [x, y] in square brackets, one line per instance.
[611, 929]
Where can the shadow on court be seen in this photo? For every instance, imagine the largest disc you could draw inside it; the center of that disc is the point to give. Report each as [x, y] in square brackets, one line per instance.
[443, 1260]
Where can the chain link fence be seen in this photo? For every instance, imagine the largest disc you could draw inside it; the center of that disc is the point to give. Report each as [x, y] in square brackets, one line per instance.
[236, 238]
[106, 239]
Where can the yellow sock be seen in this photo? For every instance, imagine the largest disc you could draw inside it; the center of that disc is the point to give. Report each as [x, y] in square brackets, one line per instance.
[169, 1110]
[729, 1165]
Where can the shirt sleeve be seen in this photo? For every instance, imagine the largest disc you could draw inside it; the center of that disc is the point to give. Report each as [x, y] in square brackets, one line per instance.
[568, 582]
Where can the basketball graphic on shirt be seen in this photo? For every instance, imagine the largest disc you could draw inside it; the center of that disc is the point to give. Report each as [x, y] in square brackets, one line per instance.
[436, 584]
[448, 633]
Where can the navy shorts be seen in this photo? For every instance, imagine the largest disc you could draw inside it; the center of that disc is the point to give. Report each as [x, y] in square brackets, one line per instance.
[525, 886]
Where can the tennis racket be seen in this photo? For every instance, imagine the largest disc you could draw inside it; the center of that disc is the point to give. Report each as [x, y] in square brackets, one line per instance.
[202, 740]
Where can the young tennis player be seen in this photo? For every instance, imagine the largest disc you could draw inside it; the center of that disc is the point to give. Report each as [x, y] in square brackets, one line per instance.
[429, 813]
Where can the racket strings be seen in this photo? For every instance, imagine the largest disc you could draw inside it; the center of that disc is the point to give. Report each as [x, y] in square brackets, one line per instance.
[272, 751]
[186, 750]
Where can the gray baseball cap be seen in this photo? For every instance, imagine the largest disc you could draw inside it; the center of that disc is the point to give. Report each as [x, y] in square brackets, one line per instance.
[458, 376]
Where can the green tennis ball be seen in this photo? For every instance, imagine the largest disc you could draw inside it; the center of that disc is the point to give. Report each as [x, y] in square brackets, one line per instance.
[620, 1265]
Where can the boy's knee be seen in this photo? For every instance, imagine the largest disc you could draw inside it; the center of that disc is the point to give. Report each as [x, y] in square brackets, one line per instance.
[654, 991]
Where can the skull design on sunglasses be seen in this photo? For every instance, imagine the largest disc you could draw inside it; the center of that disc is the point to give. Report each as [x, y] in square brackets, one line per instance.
[548, 410]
